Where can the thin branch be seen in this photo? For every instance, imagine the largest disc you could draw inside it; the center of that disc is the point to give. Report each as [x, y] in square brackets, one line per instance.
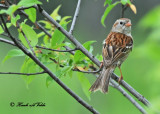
[93, 72]
[75, 17]
[56, 49]
[139, 107]
[124, 7]
[89, 55]
[28, 42]
[28, 74]
[7, 41]
[68, 90]
[132, 90]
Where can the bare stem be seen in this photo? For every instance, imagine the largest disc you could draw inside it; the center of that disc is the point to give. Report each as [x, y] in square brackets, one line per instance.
[75, 17]
[56, 49]
[28, 74]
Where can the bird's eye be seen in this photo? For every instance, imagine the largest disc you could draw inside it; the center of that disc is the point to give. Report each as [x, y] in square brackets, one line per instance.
[121, 22]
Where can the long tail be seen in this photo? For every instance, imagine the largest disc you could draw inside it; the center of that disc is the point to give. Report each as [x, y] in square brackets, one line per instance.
[102, 81]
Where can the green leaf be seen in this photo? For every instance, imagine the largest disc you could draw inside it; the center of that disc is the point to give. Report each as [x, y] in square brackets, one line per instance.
[57, 38]
[31, 12]
[13, 53]
[55, 14]
[28, 3]
[63, 71]
[107, 2]
[30, 34]
[87, 44]
[78, 56]
[108, 9]
[63, 20]
[49, 80]
[85, 84]
[29, 66]
[10, 10]
[1, 30]
[124, 2]
[14, 20]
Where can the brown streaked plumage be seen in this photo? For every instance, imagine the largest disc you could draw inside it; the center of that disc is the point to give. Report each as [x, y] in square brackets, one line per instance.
[115, 50]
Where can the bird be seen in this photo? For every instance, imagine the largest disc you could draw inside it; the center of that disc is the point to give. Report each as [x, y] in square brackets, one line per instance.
[116, 48]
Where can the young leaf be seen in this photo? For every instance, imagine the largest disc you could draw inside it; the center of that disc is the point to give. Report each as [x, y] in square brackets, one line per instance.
[10, 10]
[1, 30]
[31, 12]
[29, 66]
[107, 2]
[85, 84]
[14, 20]
[78, 56]
[55, 14]
[57, 38]
[108, 9]
[124, 2]
[30, 34]
[13, 53]
[28, 3]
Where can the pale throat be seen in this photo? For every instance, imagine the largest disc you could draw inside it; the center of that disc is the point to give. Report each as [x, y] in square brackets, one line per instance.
[126, 31]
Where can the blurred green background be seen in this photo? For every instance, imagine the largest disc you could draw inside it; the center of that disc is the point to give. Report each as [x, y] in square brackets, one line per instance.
[141, 70]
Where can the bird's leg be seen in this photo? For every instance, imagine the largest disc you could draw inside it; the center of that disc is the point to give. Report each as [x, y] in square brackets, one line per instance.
[101, 65]
[121, 78]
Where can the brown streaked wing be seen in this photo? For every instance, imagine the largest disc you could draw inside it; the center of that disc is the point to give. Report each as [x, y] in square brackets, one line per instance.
[116, 47]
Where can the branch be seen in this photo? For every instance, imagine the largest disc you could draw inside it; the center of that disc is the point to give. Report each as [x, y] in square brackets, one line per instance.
[68, 90]
[56, 49]
[28, 74]
[75, 17]
[7, 41]
[139, 107]
[124, 7]
[89, 55]
[132, 90]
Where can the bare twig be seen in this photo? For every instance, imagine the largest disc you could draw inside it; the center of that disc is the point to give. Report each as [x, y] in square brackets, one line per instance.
[76, 97]
[7, 41]
[93, 72]
[138, 106]
[56, 49]
[75, 17]
[124, 7]
[28, 74]
[132, 90]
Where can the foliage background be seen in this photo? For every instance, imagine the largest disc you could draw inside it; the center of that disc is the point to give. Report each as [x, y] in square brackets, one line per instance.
[141, 69]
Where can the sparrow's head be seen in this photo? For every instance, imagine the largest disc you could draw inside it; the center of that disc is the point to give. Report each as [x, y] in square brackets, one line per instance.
[122, 25]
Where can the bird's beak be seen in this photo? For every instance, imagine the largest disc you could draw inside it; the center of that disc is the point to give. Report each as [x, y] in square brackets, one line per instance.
[128, 24]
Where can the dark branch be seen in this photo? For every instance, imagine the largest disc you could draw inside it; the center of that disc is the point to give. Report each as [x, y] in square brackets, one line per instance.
[7, 41]
[56, 49]
[28, 74]
[132, 90]
[140, 108]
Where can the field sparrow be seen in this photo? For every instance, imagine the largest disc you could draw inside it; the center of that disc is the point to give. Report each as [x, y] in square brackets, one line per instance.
[116, 48]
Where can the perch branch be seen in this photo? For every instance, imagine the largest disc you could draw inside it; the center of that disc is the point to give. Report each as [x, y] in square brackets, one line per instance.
[75, 17]
[139, 107]
[68, 90]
